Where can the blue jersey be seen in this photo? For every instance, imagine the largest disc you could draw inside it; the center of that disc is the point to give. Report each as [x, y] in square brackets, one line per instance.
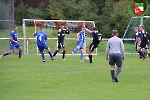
[81, 36]
[14, 35]
[41, 38]
[140, 36]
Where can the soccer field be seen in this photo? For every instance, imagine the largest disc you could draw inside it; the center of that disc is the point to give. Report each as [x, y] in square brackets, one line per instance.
[31, 79]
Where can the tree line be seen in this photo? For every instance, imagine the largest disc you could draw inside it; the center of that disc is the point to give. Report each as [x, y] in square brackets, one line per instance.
[107, 14]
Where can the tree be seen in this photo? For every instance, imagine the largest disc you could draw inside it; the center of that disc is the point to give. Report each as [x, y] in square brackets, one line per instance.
[55, 10]
[21, 13]
[104, 22]
[120, 16]
[24, 11]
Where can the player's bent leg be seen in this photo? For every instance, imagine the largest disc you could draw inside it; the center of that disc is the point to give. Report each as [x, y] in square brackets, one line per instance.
[81, 56]
[118, 59]
[64, 52]
[118, 71]
[76, 49]
[112, 64]
[11, 48]
[137, 52]
[140, 52]
[143, 54]
[7, 53]
[56, 52]
[50, 53]
[20, 52]
[112, 72]
[90, 57]
[43, 56]
[41, 49]
[91, 49]
[20, 49]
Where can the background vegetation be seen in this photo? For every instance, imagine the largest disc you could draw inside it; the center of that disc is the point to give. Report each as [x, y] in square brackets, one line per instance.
[107, 14]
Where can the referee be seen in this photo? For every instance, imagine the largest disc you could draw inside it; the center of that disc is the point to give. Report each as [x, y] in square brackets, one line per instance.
[115, 54]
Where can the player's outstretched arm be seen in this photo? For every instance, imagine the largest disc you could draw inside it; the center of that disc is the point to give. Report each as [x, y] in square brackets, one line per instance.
[88, 30]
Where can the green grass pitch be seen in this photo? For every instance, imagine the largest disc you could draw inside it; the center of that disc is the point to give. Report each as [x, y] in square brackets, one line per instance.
[29, 78]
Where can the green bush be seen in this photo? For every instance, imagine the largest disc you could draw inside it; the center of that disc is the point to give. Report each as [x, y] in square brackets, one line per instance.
[24, 11]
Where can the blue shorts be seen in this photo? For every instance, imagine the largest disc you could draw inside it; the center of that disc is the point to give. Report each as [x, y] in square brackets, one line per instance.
[12, 46]
[42, 47]
[80, 44]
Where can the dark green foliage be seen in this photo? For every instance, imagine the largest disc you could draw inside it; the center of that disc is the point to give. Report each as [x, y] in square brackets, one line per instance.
[107, 14]
[105, 22]
[23, 11]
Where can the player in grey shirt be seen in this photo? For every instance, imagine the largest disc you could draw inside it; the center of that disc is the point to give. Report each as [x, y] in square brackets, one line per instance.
[115, 54]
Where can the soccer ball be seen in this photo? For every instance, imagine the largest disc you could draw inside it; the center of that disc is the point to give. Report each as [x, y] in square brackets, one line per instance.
[86, 59]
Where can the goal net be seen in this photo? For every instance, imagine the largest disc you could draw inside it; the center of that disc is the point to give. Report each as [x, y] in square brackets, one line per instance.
[129, 35]
[31, 26]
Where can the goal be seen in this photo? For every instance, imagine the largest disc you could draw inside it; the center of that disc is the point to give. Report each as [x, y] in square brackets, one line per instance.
[129, 35]
[31, 26]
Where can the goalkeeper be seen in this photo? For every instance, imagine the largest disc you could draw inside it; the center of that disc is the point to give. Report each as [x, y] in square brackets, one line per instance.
[61, 37]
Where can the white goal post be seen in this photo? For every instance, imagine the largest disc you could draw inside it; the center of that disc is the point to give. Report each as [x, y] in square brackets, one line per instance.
[52, 27]
[140, 23]
[129, 34]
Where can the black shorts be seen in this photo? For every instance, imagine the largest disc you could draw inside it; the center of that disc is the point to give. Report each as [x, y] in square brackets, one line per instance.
[115, 58]
[92, 47]
[61, 45]
[143, 45]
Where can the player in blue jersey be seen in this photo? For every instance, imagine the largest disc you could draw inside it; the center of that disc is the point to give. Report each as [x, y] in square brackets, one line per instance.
[41, 38]
[141, 46]
[14, 42]
[145, 39]
[80, 41]
[137, 40]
